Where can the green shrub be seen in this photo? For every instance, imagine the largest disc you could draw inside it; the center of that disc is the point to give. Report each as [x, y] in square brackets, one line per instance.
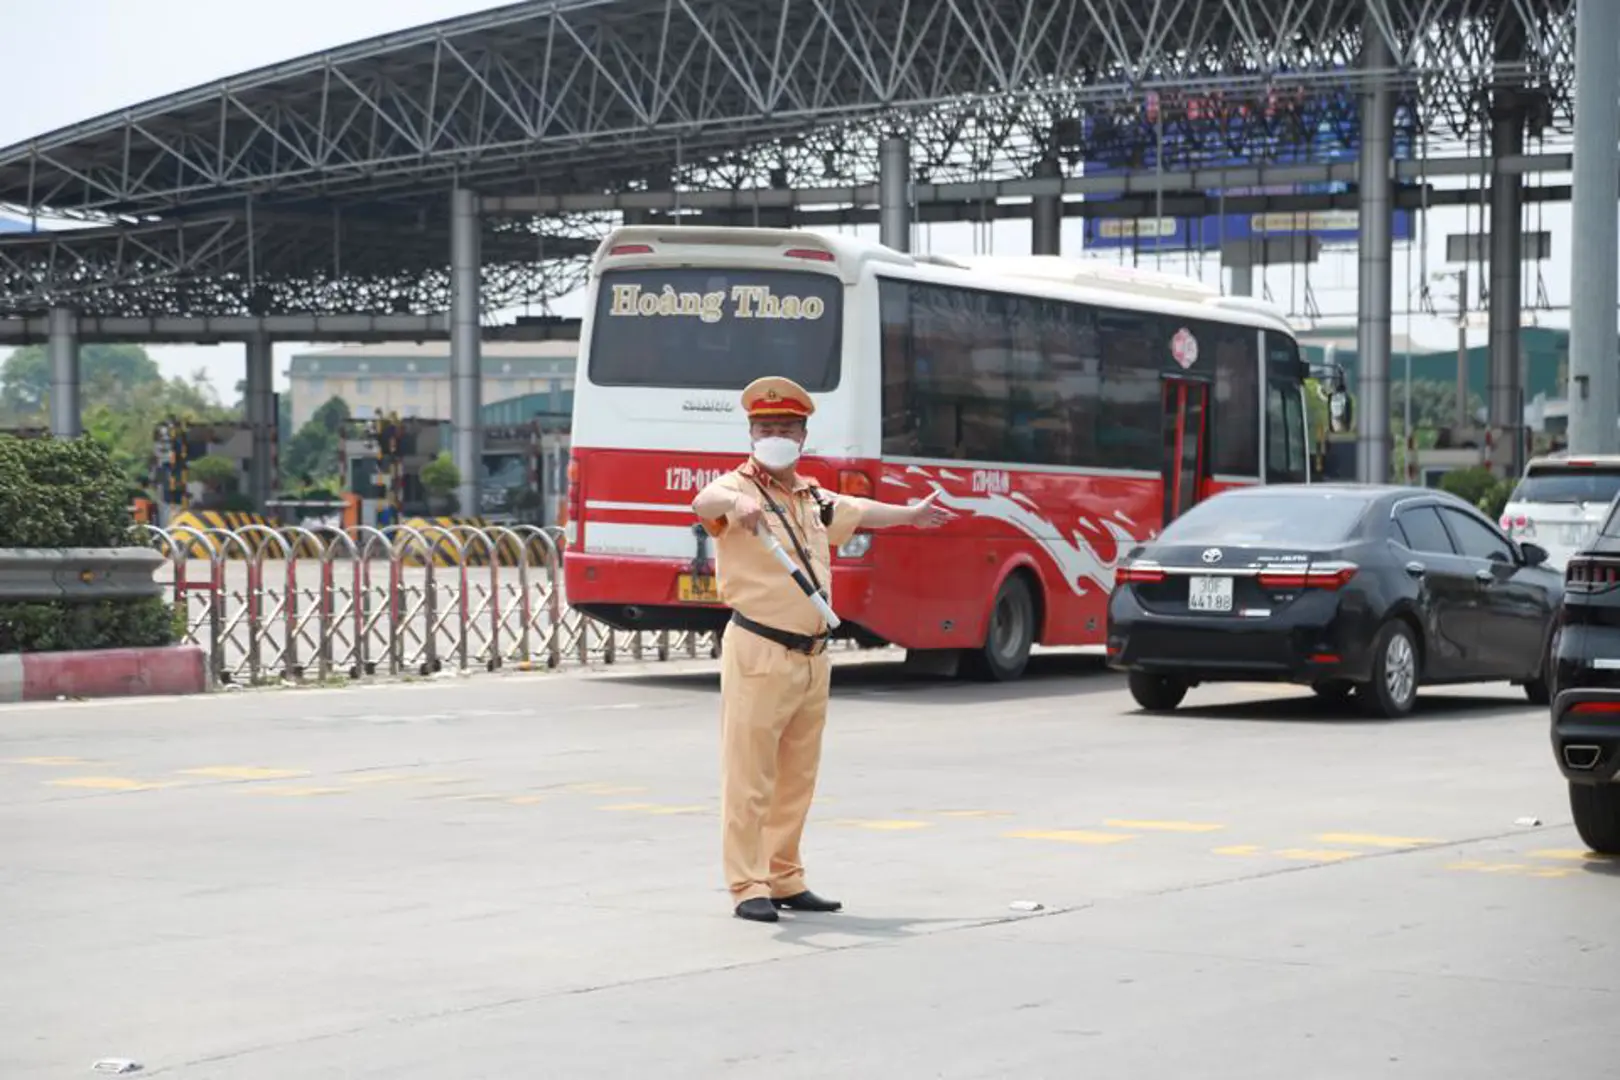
[103, 624]
[60, 493]
[57, 493]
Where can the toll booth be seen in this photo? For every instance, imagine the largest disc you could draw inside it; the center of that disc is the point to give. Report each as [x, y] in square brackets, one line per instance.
[176, 443]
[382, 467]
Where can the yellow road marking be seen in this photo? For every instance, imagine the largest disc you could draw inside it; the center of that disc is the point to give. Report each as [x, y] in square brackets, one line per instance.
[243, 772]
[595, 788]
[380, 778]
[1070, 836]
[295, 791]
[1369, 840]
[1238, 849]
[881, 825]
[1165, 826]
[1515, 869]
[1577, 854]
[655, 808]
[109, 783]
[44, 761]
[526, 800]
[974, 813]
[1316, 855]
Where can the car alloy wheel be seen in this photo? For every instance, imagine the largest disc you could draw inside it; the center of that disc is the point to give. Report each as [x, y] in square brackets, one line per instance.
[1400, 669]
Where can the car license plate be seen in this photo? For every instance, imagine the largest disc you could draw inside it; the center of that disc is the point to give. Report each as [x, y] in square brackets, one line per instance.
[697, 589]
[1209, 593]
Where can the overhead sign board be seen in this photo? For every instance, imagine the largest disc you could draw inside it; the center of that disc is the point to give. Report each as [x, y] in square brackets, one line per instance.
[1211, 133]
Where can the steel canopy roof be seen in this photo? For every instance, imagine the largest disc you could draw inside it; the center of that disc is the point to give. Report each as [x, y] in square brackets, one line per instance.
[353, 150]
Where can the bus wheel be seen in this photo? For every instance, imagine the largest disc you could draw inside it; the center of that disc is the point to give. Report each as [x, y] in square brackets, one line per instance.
[1010, 635]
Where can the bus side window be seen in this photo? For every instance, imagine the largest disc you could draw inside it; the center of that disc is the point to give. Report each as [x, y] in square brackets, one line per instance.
[1236, 427]
[899, 392]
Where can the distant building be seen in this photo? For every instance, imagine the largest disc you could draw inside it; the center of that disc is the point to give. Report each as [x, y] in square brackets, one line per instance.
[414, 379]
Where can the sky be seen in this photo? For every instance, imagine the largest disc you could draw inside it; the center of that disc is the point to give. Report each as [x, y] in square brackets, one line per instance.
[128, 51]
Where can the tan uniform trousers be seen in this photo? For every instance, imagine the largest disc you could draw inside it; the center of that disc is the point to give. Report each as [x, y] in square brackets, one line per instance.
[773, 710]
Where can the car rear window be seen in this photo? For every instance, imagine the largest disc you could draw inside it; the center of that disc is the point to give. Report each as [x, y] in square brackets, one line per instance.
[1273, 520]
[1568, 484]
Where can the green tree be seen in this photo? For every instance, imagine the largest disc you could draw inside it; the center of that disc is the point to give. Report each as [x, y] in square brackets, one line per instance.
[106, 373]
[441, 478]
[124, 396]
[311, 456]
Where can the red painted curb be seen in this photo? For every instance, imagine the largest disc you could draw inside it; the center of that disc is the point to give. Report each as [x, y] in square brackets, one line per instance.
[114, 673]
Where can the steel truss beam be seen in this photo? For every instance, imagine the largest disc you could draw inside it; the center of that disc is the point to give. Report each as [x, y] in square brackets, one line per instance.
[1141, 182]
[551, 95]
[246, 264]
[1135, 206]
[339, 329]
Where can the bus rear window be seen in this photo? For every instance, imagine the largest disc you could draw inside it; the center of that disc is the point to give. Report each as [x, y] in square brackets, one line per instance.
[1568, 484]
[700, 328]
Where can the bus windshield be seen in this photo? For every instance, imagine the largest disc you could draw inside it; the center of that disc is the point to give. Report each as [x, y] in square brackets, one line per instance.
[706, 328]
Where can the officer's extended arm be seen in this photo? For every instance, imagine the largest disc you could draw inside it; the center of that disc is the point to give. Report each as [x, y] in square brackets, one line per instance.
[881, 515]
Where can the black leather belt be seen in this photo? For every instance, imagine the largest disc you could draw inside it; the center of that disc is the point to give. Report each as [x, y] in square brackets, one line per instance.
[808, 644]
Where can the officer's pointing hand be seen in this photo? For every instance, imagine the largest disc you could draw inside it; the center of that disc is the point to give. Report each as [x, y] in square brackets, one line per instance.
[747, 511]
[925, 515]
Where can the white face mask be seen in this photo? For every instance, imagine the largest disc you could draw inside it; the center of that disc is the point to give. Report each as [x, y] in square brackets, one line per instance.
[776, 453]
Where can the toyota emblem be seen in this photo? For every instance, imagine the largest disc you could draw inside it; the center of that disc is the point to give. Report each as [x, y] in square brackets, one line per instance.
[1212, 555]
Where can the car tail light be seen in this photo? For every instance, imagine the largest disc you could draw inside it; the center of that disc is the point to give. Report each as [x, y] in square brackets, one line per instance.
[1596, 708]
[1138, 575]
[854, 482]
[1330, 576]
[1518, 525]
[1590, 574]
[809, 253]
[630, 249]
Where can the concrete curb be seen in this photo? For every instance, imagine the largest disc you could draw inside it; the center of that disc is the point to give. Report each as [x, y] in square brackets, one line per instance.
[103, 673]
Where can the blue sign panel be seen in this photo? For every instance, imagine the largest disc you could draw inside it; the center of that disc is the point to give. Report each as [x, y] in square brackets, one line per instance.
[1213, 137]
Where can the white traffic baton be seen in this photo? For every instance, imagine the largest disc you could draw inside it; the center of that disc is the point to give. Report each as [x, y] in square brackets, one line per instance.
[765, 534]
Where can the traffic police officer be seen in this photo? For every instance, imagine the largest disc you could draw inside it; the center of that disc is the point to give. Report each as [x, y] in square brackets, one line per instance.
[774, 670]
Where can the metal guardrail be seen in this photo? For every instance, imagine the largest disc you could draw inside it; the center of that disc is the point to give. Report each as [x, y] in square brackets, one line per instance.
[293, 603]
[48, 574]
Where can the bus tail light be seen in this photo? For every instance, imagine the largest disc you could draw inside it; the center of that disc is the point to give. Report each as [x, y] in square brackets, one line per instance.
[575, 511]
[809, 253]
[855, 483]
[630, 249]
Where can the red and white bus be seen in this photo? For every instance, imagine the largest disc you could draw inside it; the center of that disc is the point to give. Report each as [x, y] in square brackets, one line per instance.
[1064, 409]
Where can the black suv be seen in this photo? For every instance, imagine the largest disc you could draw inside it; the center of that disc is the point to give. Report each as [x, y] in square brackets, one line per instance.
[1586, 686]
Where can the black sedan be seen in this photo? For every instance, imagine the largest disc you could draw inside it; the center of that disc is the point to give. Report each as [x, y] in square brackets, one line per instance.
[1586, 712]
[1362, 589]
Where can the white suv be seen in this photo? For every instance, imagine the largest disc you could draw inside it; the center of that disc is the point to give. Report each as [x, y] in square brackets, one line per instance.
[1560, 502]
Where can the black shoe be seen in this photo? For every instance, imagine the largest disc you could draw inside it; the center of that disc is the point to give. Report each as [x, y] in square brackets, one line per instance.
[758, 909]
[806, 901]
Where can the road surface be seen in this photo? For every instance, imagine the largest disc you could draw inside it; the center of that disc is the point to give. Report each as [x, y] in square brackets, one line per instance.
[520, 876]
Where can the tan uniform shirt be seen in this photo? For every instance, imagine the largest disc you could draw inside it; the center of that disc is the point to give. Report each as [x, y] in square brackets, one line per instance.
[750, 579]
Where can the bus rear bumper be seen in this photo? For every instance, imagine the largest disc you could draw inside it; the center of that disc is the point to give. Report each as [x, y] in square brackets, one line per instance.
[647, 594]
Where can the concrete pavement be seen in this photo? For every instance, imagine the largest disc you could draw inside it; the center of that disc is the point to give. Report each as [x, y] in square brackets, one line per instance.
[519, 875]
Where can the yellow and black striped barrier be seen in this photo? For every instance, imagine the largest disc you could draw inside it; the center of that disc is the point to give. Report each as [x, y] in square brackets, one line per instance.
[509, 548]
[250, 543]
